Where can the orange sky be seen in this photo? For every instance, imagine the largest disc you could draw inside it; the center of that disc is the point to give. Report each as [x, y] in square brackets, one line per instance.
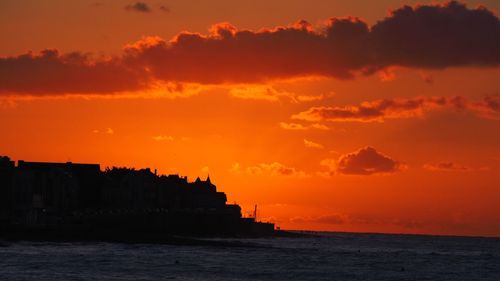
[352, 124]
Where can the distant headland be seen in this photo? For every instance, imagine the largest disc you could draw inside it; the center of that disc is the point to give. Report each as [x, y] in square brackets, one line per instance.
[80, 202]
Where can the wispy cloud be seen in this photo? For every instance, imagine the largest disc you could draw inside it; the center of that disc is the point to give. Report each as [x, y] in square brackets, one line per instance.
[300, 127]
[397, 108]
[274, 169]
[107, 131]
[448, 166]
[163, 138]
[311, 144]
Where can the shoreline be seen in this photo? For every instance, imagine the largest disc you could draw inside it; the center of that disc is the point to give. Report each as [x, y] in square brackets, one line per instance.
[139, 237]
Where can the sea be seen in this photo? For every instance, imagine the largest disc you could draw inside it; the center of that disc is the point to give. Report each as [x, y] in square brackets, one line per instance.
[320, 256]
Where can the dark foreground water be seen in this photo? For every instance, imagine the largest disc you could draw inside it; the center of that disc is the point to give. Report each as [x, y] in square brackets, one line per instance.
[333, 256]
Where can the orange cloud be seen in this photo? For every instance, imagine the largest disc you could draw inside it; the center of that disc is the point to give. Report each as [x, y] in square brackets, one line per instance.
[107, 131]
[367, 161]
[312, 144]
[423, 36]
[300, 127]
[329, 163]
[260, 92]
[163, 138]
[319, 126]
[274, 168]
[293, 126]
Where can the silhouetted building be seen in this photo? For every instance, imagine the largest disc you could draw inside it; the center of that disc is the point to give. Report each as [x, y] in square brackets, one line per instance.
[69, 195]
[7, 168]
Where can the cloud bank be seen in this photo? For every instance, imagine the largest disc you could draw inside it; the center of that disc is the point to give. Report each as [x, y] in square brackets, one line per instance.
[433, 36]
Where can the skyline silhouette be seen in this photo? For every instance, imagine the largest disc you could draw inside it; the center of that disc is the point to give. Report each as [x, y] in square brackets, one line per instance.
[79, 201]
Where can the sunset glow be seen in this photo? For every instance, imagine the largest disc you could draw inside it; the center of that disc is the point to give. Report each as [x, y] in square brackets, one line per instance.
[364, 116]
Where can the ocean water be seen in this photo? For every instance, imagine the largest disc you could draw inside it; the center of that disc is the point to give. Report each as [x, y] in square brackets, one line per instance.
[327, 256]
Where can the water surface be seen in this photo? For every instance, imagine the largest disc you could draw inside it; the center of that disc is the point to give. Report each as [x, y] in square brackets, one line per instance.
[327, 256]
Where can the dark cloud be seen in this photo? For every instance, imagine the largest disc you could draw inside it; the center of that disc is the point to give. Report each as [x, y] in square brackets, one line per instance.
[52, 73]
[229, 55]
[423, 36]
[380, 110]
[489, 107]
[138, 7]
[438, 36]
[367, 161]
[426, 36]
